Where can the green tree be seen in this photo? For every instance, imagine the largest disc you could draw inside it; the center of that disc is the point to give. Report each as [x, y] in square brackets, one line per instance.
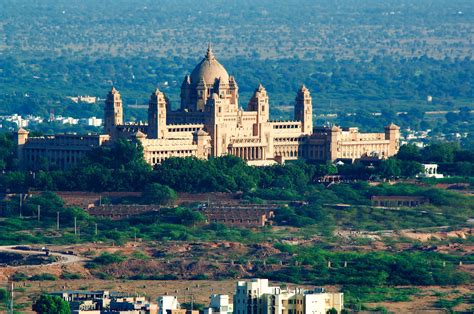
[390, 168]
[439, 152]
[410, 168]
[49, 202]
[409, 152]
[189, 217]
[120, 167]
[48, 304]
[7, 151]
[156, 193]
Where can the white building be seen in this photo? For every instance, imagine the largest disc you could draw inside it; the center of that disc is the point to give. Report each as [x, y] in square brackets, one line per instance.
[256, 297]
[18, 120]
[100, 302]
[85, 99]
[431, 171]
[219, 305]
[167, 302]
[68, 120]
[93, 121]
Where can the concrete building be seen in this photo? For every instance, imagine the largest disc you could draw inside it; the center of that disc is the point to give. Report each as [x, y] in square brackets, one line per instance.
[167, 303]
[399, 201]
[257, 297]
[431, 171]
[62, 150]
[211, 122]
[93, 121]
[105, 302]
[240, 215]
[182, 311]
[84, 99]
[18, 120]
[219, 305]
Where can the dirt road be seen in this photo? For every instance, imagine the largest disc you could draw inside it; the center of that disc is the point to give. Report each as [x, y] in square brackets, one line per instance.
[62, 258]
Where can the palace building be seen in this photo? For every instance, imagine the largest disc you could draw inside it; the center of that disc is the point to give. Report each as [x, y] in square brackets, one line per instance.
[210, 122]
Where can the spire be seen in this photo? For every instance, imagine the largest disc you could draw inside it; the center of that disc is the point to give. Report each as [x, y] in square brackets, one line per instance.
[209, 53]
[303, 88]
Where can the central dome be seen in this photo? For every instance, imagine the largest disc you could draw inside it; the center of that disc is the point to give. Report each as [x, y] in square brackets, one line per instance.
[209, 69]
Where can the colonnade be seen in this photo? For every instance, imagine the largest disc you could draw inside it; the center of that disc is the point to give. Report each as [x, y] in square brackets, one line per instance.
[248, 153]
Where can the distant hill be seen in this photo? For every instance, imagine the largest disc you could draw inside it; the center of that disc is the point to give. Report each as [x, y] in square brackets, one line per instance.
[273, 29]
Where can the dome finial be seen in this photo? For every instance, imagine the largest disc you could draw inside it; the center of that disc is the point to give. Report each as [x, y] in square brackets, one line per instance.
[209, 53]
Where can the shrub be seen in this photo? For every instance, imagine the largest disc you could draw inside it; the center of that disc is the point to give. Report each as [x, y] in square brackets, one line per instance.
[103, 276]
[70, 276]
[43, 277]
[3, 295]
[19, 277]
[109, 258]
[47, 304]
[200, 277]
[156, 193]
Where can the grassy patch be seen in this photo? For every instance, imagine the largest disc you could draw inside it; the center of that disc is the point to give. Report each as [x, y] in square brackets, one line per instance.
[365, 294]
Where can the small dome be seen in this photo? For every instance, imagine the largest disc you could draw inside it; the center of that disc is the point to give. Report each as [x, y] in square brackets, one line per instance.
[140, 134]
[201, 132]
[209, 69]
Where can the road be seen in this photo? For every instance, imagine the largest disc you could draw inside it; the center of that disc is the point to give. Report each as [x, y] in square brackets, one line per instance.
[62, 258]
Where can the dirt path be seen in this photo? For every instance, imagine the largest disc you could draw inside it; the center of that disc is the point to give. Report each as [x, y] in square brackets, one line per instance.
[62, 258]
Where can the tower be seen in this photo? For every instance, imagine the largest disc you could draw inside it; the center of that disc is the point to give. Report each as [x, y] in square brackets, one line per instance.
[21, 138]
[202, 93]
[157, 115]
[304, 109]
[234, 93]
[113, 113]
[215, 125]
[392, 133]
[332, 148]
[259, 103]
[186, 93]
